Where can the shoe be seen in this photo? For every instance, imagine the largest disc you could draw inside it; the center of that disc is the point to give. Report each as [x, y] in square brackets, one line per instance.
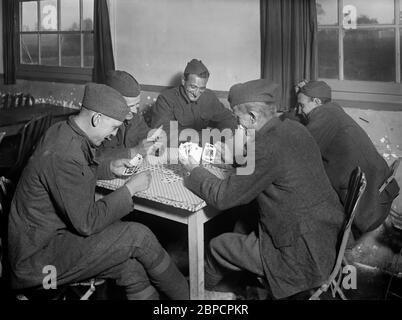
[216, 295]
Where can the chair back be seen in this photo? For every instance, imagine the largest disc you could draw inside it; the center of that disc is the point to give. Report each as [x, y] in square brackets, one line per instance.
[356, 187]
[30, 135]
[2, 134]
[6, 195]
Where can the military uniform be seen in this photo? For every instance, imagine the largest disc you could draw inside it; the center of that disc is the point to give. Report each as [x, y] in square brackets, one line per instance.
[174, 105]
[300, 216]
[55, 221]
[344, 145]
[129, 135]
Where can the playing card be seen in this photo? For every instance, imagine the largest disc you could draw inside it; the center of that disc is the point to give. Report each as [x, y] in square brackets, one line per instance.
[195, 152]
[135, 162]
[208, 153]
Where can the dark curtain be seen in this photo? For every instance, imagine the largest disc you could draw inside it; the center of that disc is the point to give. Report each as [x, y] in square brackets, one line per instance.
[9, 50]
[288, 44]
[103, 51]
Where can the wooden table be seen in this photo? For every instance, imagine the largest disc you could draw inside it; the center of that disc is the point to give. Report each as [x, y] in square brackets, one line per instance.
[192, 212]
[13, 119]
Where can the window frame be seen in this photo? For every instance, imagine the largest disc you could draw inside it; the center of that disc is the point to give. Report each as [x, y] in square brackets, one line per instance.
[373, 91]
[50, 73]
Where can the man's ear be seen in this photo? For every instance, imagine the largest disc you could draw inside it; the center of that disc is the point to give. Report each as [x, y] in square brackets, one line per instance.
[95, 119]
[318, 101]
[183, 81]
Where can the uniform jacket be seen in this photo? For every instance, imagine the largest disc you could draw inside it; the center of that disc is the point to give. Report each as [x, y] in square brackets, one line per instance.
[56, 195]
[345, 145]
[300, 215]
[129, 135]
[174, 105]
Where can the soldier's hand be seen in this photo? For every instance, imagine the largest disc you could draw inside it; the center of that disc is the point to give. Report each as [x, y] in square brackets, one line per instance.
[139, 182]
[117, 167]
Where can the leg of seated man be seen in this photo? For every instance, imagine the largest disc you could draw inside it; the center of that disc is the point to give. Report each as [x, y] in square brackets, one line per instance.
[232, 252]
[117, 252]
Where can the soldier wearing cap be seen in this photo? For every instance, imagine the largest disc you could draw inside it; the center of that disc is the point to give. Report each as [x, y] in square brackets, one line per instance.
[191, 104]
[299, 214]
[131, 136]
[55, 220]
[344, 145]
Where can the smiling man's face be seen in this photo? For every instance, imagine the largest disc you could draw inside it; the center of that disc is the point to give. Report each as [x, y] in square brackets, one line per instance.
[194, 86]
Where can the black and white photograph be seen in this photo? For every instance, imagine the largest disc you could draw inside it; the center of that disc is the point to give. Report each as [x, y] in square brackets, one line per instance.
[201, 157]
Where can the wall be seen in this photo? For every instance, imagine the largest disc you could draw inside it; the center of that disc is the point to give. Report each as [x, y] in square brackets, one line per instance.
[154, 39]
[1, 37]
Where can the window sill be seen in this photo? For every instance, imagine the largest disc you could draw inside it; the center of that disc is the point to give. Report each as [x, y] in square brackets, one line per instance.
[54, 74]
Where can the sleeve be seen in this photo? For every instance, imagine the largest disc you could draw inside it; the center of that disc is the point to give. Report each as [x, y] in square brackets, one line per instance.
[74, 195]
[108, 154]
[162, 114]
[223, 117]
[236, 189]
[136, 132]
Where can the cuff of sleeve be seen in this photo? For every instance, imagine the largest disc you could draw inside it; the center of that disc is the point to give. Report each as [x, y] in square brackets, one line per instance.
[194, 180]
[104, 171]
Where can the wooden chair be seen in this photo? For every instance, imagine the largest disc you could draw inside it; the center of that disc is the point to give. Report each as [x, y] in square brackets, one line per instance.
[13, 160]
[70, 291]
[357, 185]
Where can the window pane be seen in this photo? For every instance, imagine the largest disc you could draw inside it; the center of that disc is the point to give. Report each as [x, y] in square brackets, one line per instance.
[400, 11]
[88, 50]
[48, 15]
[87, 14]
[70, 15]
[29, 21]
[373, 11]
[49, 49]
[369, 54]
[29, 49]
[327, 12]
[328, 49]
[71, 50]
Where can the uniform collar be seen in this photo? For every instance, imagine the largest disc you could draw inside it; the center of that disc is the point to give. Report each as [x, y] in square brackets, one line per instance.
[272, 123]
[87, 147]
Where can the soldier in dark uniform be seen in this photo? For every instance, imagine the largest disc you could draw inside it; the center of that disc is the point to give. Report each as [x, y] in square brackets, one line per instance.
[299, 214]
[345, 145]
[131, 136]
[55, 220]
[191, 104]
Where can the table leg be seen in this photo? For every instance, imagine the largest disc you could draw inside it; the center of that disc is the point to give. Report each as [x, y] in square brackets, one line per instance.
[196, 255]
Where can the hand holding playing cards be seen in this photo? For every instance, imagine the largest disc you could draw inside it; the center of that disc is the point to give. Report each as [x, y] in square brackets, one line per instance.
[189, 163]
[118, 167]
[139, 182]
[223, 153]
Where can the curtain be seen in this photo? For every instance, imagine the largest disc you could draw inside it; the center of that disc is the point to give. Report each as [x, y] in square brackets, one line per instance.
[9, 50]
[103, 51]
[288, 44]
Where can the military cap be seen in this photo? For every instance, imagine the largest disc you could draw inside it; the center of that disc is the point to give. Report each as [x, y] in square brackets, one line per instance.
[261, 90]
[316, 89]
[123, 82]
[106, 100]
[196, 67]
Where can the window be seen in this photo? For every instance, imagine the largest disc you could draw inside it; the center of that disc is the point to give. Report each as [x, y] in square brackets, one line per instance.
[359, 46]
[55, 40]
